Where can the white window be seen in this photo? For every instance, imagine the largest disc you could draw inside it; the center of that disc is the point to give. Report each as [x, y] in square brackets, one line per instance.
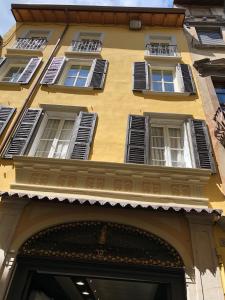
[13, 73]
[170, 144]
[161, 46]
[162, 80]
[87, 42]
[77, 75]
[54, 136]
[12, 69]
[32, 40]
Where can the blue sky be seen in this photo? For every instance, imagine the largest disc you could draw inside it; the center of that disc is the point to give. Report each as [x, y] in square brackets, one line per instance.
[7, 20]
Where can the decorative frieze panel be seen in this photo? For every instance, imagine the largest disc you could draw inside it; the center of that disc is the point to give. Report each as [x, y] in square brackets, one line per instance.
[112, 180]
[219, 118]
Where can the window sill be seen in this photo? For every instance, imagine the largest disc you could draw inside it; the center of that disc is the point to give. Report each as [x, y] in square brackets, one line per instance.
[208, 46]
[71, 53]
[5, 83]
[35, 52]
[170, 94]
[72, 88]
[162, 57]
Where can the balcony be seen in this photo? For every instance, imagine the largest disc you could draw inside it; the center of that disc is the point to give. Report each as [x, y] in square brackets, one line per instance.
[162, 51]
[30, 43]
[219, 118]
[86, 46]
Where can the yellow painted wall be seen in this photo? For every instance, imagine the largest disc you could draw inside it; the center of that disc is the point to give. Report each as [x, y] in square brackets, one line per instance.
[121, 47]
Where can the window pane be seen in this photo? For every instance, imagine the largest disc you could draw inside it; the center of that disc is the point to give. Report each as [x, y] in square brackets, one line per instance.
[69, 81]
[168, 76]
[169, 87]
[47, 138]
[73, 71]
[84, 71]
[13, 74]
[176, 146]
[64, 139]
[157, 86]
[157, 146]
[81, 82]
[156, 75]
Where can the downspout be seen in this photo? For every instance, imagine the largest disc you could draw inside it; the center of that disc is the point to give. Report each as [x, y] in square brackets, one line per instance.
[33, 91]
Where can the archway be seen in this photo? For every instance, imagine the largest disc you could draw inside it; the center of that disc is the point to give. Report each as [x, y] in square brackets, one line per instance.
[97, 260]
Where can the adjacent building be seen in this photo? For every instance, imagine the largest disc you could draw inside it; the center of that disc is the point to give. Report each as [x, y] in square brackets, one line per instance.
[109, 185]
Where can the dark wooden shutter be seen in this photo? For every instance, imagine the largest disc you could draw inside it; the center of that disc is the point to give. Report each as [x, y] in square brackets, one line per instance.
[211, 36]
[53, 70]
[29, 71]
[5, 115]
[2, 60]
[140, 76]
[23, 134]
[137, 140]
[83, 135]
[99, 73]
[187, 77]
[202, 145]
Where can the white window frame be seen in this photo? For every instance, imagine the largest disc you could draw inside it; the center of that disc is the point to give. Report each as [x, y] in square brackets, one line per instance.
[10, 63]
[177, 87]
[161, 38]
[159, 120]
[46, 32]
[163, 82]
[73, 61]
[77, 37]
[62, 116]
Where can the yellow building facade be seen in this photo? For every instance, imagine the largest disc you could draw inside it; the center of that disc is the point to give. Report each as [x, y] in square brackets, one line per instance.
[107, 172]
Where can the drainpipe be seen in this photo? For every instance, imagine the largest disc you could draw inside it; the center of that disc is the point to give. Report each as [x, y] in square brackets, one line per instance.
[33, 91]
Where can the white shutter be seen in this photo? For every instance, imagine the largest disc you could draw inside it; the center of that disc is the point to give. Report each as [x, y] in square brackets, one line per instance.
[29, 71]
[53, 70]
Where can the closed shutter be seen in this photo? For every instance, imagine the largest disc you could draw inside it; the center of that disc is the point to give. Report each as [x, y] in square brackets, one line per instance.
[137, 140]
[202, 145]
[185, 74]
[5, 115]
[53, 70]
[140, 76]
[29, 71]
[23, 133]
[210, 37]
[99, 73]
[2, 60]
[83, 135]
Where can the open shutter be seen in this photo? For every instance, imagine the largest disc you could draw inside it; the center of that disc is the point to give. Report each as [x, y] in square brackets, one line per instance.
[83, 135]
[2, 60]
[5, 115]
[23, 133]
[53, 70]
[137, 139]
[29, 71]
[202, 145]
[140, 76]
[185, 74]
[99, 73]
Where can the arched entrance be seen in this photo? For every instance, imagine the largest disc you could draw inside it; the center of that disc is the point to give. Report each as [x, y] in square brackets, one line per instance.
[97, 261]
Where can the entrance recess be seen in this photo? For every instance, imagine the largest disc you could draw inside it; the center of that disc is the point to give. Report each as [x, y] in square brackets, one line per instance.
[97, 261]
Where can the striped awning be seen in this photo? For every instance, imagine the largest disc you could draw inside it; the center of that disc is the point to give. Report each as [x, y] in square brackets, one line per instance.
[111, 203]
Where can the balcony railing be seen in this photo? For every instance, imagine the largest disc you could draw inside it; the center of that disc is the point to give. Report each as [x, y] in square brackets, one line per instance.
[87, 46]
[219, 118]
[162, 50]
[30, 43]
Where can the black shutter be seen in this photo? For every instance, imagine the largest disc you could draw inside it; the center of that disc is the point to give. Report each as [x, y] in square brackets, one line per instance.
[83, 135]
[5, 115]
[137, 147]
[2, 60]
[140, 76]
[99, 73]
[188, 80]
[53, 70]
[23, 134]
[202, 145]
[29, 71]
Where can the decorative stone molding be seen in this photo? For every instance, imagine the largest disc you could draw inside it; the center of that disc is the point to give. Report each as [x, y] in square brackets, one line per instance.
[115, 180]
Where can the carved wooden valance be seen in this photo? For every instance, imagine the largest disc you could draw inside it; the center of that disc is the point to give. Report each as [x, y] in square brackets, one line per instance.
[96, 241]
